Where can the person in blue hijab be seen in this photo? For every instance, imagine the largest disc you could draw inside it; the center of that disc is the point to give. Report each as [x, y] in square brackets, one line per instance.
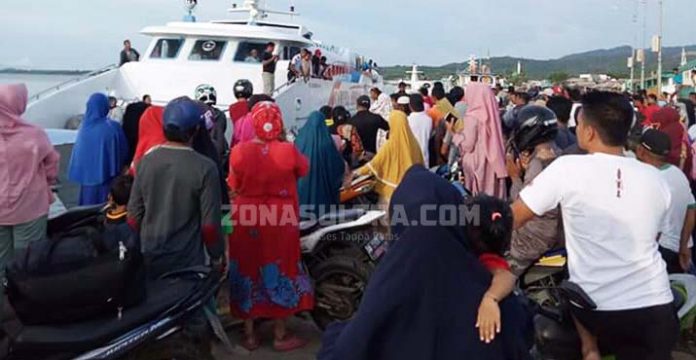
[99, 154]
[422, 301]
[319, 190]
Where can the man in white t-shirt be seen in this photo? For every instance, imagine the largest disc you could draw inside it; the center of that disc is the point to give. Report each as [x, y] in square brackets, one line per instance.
[421, 124]
[675, 237]
[613, 209]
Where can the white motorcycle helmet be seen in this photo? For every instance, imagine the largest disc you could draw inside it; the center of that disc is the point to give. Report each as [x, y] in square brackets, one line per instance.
[206, 94]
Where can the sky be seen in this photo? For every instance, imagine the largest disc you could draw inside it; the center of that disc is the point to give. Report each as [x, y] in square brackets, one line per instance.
[88, 34]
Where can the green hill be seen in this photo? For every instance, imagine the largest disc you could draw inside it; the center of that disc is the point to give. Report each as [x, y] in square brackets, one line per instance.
[604, 61]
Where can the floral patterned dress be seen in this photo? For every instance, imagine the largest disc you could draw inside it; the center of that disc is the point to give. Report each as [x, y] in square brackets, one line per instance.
[267, 277]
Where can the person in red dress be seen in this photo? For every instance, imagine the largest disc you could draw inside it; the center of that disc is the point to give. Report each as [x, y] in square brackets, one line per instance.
[267, 277]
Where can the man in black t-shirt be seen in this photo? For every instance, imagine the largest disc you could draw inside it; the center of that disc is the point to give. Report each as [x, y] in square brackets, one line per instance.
[269, 61]
[368, 124]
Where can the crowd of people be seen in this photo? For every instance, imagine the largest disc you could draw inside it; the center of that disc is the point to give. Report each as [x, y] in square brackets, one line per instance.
[608, 176]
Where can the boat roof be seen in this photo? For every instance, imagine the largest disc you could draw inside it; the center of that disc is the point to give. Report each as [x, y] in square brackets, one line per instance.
[233, 29]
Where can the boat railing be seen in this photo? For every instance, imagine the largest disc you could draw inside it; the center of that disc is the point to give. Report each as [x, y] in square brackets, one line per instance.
[63, 84]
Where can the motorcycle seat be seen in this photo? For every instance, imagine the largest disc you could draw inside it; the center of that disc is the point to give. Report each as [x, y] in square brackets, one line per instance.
[74, 216]
[342, 216]
[307, 227]
[338, 217]
[577, 296]
[85, 336]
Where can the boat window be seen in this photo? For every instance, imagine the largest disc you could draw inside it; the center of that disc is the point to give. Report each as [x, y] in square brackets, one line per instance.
[290, 51]
[166, 48]
[250, 52]
[207, 50]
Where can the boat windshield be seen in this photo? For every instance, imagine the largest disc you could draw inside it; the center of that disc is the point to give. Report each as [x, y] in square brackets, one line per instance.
[207, 50]
[250, 52]
[166, 48]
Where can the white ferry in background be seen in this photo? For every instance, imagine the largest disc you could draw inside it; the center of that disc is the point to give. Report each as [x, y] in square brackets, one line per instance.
[185, 54]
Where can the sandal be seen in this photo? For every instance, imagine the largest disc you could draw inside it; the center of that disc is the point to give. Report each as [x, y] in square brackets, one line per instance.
[250, 343]
[289, 343]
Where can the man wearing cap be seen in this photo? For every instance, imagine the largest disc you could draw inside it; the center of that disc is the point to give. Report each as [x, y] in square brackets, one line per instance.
[675, 237]
[421, 124]
[402, 103]
[368, 124]
[175, 201]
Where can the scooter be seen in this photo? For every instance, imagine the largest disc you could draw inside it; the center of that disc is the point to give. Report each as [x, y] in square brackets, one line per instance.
[341, 250]
[171, 302]
[552, 295]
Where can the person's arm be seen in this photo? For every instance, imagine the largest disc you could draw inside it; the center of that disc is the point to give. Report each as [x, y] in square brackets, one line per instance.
[136, 203]
[51, 163]
[488, 321]
[466, 139]
[137, 55]
[124, 58]
[301, 164]
[269, 60]
[210, 204]
[687, 230]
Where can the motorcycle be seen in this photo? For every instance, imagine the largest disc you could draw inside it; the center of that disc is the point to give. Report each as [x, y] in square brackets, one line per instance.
[360, 192]
[453, 173]
[555, 336]
[138, 332]
[341, 250]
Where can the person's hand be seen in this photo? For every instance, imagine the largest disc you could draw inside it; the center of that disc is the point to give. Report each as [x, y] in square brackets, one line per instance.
[525, 158]
[488, 321]
[448, 125]
[685, 258]
[514, 168]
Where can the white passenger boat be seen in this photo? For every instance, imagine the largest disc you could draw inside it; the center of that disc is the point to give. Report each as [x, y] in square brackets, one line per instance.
[185, 54]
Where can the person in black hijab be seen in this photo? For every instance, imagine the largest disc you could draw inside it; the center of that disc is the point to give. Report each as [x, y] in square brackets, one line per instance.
[131, 126]
[423, 299]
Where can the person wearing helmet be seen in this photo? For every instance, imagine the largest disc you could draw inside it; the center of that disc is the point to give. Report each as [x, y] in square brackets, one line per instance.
[243, 89]
[216, 121]
[531, 149]
[175, 200]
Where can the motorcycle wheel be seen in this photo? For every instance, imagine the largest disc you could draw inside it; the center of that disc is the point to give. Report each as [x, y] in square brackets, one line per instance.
[339, 283]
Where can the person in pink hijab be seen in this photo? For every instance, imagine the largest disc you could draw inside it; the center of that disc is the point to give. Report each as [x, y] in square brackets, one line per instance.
[481, 144]
[28, 167]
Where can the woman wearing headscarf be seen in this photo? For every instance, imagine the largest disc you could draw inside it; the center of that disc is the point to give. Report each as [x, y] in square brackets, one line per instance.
[244, 128]
[480, 142]
[267, 278]
[399, 153]
[99, 154]
[150, 133]
[422, 301]
[668, 121]
[320, 188]
[29, 166]
[131, 125]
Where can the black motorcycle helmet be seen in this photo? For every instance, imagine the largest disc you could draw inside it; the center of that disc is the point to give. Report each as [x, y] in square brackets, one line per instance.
[243, 89]
[537, 125]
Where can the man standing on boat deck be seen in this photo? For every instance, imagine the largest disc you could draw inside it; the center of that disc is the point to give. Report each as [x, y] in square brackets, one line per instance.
[128, 54]
[269, 61]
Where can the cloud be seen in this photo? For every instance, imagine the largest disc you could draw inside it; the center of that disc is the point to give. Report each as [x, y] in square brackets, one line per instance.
[88, 34]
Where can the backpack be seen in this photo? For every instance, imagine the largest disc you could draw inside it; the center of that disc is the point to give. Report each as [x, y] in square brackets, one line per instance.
[72, 276]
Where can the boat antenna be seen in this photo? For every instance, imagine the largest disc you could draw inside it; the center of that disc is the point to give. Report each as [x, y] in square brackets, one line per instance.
[257, 13]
